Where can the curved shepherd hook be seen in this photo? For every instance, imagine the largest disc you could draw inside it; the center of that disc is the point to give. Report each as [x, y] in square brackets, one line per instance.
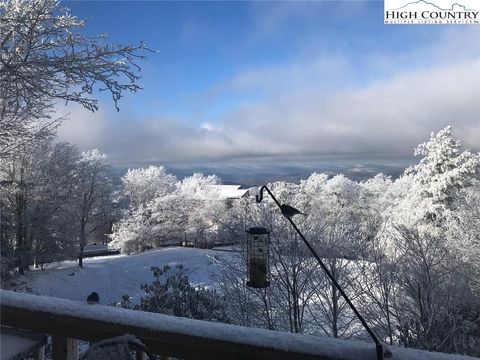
[381, 352]
[259, 197]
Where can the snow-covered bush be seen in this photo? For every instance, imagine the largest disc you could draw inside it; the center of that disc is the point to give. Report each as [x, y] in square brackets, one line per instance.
[171, 293]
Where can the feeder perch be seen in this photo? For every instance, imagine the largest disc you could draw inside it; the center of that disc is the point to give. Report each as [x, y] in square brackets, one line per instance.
[257, 251]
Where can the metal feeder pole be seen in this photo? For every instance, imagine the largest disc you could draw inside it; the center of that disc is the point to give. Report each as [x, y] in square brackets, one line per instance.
[378, 344]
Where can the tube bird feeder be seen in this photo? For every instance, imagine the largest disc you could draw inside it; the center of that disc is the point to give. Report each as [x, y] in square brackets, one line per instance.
[257, 252]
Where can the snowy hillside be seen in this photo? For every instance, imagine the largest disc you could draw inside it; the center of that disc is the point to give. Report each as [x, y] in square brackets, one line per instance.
[113, 276]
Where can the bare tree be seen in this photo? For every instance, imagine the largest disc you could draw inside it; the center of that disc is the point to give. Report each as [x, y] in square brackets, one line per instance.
[283, 305]
[246, 306]
[434, 291]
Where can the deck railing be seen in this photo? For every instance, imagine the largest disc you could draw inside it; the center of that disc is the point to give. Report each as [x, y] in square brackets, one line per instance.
[66, 321]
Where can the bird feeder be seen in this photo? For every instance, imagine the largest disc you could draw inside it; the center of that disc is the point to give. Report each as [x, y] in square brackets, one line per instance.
[257, 252]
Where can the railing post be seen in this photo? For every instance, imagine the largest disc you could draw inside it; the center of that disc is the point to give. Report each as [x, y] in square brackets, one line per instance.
[139, 355]
[39, 354]
[64, 348]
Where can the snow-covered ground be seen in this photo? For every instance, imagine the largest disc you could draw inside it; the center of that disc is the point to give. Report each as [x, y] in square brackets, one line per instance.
[113, 276]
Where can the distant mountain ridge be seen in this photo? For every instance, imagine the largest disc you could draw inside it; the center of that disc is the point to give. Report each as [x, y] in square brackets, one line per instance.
[249, 176]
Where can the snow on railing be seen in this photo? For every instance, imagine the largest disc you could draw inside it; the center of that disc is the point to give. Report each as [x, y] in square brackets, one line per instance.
[182, 337]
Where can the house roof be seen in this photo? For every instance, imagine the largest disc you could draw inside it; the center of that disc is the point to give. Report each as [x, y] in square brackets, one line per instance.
[229, 191]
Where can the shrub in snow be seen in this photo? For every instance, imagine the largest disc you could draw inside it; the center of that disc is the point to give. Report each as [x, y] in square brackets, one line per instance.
[171, 293]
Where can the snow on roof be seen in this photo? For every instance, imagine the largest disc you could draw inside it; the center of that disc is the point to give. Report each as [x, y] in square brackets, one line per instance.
[305, 344]
[228, 191]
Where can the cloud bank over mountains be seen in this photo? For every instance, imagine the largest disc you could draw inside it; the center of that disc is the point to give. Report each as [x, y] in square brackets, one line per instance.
[315, 105]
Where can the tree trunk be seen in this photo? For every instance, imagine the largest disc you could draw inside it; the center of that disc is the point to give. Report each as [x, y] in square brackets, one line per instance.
[389, 321]
[20, 229]
[83, 241]
[295, 296]
[334, 304]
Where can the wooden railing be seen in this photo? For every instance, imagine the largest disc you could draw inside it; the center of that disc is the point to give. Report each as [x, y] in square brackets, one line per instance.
[65, 320]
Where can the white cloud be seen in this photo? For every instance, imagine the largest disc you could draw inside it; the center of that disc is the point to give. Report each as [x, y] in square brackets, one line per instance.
[311, 107]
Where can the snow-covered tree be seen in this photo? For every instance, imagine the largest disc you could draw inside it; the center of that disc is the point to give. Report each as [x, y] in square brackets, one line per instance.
[45, 59]
[436, 183]
[428, 232]
[463, 233]
[17, 173]
[201, 202]
[91, 194]
[185, 210]
[37, 199]
[145, 185]
[300, 297]
[53, 229]
[344, 223]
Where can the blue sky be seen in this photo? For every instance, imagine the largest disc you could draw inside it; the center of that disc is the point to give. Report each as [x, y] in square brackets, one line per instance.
[243, 80]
